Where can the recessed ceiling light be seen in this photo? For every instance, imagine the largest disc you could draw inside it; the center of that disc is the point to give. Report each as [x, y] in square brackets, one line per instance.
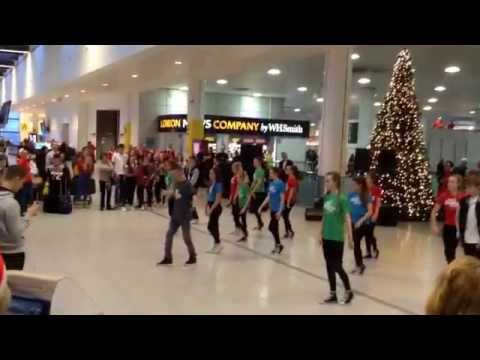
[43, 102]
[184, 88]
[222, 81]
[302, 88]
[354, 56]
[427, 108]
[312, 124]
[377, 104]
[452, 69]
[432, 100]
[473, 112]
[364, 81]
[274, 72]
[54, 100]
[105, 84]
[297, 109]
[440, 88]
[83, 91]
[178, 62]
[34, 105]
[66, 96]
[134, 76]
[320, 99]
[257, 94]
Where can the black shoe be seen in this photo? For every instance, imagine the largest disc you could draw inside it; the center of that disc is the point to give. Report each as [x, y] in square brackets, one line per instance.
[165, 261]
[191, 260]
[348, 297]
[109, 208]
[101, 209]
[243, 239]
[377, 253]
[368, 256]
[286, 236]
[292, 234]
[362, 269]
[278, 249]
[332, 299]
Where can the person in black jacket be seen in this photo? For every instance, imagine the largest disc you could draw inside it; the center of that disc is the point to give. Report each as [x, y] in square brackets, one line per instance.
[59, 183]
[285, 162]
[468, 218]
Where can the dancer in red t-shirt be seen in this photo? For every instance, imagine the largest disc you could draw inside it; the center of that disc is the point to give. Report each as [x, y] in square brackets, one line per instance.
[290, 198]
[376, 193]
[449, 200]
[234, 182]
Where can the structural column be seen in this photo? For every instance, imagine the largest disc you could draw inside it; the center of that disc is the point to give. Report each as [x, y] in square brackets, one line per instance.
[333, 126]
[366, 116]
[195, 115]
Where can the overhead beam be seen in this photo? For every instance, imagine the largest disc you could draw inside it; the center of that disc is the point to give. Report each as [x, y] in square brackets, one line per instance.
[14, 51]
[6, 66]
[20, 49]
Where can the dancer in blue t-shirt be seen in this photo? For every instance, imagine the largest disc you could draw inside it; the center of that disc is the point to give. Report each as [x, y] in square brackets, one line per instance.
[276, 200]
[360, 203]
[213, 208]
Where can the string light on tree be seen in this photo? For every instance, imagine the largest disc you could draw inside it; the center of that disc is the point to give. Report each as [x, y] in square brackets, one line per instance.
[399, 131]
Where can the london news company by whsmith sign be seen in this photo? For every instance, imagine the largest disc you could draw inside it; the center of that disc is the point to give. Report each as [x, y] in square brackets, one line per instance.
[237, 125]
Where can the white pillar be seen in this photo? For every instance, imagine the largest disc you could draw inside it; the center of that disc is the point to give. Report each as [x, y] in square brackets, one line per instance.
[82, 124]
[196, 91]
[366, 116]
[333, 126]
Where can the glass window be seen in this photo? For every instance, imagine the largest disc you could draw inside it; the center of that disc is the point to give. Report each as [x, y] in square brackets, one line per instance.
[352, 132]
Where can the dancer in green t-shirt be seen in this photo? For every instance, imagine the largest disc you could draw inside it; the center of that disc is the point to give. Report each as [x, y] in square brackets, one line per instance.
[336, 214]
[257, 191]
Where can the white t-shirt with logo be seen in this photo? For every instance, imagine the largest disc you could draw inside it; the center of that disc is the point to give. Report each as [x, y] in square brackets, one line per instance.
[471, 232]
[119, 162]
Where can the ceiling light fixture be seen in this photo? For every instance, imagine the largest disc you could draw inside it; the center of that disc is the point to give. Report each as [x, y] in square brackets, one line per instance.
[312, 124]
[184, 88]
[452, 69]
[222, 82]
[178, 62]
[66, 96]
[105, 84]
[472, 112]
[134, 76]
[427, 108]
[297, 110]
[432, 100]
[54, 100]
[302, 88]
[274, 72]
[377, 104]
[320, 99]
[257, 94]
[440, 88]
[354, 56]
[83, 91]
[364, 81]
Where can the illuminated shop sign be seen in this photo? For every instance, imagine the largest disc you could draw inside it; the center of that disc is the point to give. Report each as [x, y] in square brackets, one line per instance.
[236, 125]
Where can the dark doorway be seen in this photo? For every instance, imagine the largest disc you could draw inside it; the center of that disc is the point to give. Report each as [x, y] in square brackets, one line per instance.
[247, 153]
[107, 130]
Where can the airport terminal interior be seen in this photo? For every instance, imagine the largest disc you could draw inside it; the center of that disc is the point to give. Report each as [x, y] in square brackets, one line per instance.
[275, 170]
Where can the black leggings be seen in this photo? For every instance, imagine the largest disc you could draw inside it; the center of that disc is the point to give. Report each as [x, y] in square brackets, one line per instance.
[450, 242]
[358, 234]
[370, 239]
[273, 227]
[105, 194]
[14, 261]
[333, 252]
[213, 222]
[236, 214]
[158, 192]
[286, 219]
[141, 195]
[130, 184]
[243, 223]
[257, 201]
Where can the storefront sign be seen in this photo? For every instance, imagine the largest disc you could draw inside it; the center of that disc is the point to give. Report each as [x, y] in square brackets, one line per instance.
[236, 125]
[172, 123]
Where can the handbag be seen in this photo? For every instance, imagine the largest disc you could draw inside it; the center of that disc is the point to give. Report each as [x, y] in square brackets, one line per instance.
[64, 201]
[92, 188]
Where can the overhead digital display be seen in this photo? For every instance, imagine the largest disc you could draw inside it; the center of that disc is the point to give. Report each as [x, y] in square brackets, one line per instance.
[238, 125]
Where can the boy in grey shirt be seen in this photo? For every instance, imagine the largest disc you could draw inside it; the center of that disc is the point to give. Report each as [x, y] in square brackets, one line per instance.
[12, 225]
[181, 216]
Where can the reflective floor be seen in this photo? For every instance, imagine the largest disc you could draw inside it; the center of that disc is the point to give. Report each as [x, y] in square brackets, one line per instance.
[111, 256]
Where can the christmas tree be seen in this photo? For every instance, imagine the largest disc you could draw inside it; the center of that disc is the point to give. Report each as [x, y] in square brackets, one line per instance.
[398, 144]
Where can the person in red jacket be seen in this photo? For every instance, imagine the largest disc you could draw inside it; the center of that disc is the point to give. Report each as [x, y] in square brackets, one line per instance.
[25, 195]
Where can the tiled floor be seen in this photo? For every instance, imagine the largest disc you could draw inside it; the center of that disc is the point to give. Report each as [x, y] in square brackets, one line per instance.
[111, 259]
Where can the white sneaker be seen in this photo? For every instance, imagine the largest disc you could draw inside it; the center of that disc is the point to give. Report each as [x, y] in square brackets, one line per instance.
[216, 249]
[124, 208]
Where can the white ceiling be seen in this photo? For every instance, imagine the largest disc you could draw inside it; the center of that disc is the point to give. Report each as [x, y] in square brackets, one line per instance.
[246, 66]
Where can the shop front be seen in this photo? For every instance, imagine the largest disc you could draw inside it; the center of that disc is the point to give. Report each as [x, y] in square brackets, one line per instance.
[228, 134]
